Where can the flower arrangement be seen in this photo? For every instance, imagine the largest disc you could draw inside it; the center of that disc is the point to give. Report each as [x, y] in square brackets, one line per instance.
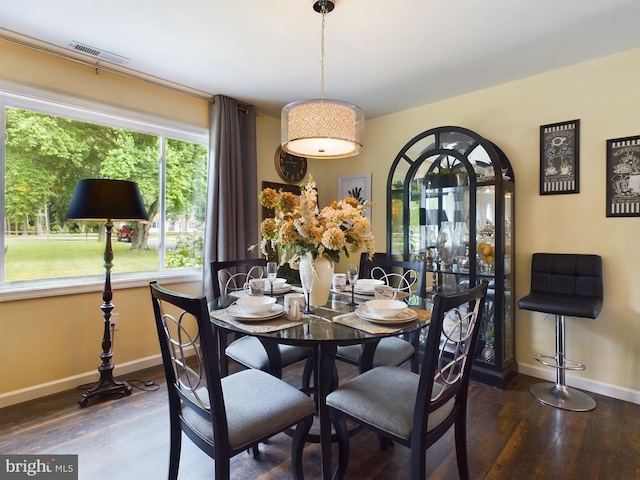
[299, 228]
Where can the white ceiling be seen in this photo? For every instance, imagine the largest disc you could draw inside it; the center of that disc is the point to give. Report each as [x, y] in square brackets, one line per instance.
[384, 56]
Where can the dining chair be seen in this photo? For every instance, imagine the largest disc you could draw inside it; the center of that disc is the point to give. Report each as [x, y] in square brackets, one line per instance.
[406, 277]
[432, 401]
[222, 415]
[230, 276]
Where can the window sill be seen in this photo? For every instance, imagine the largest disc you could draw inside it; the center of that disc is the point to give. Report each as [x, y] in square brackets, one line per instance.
[59, 287]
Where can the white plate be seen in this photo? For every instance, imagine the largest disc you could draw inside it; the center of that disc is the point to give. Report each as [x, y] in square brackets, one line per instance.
[406, 316]
[277, 290]
[236, 312]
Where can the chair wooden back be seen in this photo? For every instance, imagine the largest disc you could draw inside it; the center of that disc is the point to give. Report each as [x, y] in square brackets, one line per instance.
[449, 352]
[231, 275]
[402, 275]
[189, 357]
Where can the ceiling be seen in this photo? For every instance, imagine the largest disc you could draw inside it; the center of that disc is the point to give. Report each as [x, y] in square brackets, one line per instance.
[384, 56]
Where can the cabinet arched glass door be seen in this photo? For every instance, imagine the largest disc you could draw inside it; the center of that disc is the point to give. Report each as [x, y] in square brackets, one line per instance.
[450, 204]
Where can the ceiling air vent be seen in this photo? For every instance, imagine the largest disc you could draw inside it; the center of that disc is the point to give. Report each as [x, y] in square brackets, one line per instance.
[97, 53]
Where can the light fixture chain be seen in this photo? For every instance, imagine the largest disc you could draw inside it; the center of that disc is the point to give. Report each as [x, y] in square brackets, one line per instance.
[324, 11]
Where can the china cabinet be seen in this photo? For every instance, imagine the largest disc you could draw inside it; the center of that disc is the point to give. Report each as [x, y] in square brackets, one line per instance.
[450, 201]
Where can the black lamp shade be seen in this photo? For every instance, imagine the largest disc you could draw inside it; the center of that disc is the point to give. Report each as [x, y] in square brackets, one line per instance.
[101, 199]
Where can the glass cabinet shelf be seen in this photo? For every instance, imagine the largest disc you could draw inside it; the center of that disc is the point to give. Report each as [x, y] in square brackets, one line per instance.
[450, 201]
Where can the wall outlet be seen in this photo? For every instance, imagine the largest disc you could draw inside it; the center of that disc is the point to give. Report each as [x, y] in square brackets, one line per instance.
[115, 320]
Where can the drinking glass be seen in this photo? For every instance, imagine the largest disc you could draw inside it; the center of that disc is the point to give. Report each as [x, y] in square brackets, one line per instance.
[272, 273]
[352, 276]
[307, 277]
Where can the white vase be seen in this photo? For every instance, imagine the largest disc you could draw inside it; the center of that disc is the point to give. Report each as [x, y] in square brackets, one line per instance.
[322, 283]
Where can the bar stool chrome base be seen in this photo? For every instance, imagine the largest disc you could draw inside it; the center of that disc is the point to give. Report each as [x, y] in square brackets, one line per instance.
[561, 396]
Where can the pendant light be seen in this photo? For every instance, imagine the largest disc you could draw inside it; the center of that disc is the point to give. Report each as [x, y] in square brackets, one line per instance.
[321, 128]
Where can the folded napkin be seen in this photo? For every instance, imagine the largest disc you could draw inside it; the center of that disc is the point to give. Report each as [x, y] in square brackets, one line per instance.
[354, 321]
[266, 326]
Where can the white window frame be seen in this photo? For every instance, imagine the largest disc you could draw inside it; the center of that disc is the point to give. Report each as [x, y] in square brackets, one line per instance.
[19, 96]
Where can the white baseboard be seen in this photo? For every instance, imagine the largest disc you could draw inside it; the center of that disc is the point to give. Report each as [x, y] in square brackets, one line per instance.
[68, 383]
[57, 386]
[586, 384]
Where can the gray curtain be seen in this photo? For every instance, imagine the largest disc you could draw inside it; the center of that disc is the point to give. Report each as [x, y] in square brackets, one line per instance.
[232, 200]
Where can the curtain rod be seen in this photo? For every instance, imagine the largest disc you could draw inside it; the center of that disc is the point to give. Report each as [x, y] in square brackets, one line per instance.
[98, 67]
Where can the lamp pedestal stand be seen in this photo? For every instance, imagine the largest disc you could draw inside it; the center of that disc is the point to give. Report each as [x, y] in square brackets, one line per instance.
[106, 385]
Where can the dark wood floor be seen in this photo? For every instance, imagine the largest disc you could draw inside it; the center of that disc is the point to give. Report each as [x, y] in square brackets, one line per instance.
[510, 436]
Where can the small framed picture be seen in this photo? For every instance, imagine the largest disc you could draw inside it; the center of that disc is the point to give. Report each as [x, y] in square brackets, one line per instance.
[559, 158]
[623, 177]
[356, 186]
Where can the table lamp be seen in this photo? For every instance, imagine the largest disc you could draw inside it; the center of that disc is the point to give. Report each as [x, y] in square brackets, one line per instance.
[106, 200]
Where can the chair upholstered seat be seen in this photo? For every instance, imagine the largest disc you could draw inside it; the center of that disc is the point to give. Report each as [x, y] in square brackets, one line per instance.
[565, 284]
[558, 304]
[384, 410]
[250, 352]
[257, 406]
[390, 351]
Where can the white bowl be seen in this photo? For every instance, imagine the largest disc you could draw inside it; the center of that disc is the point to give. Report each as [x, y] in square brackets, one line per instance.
[256, 305]
[368, 284]
[385, 308]
[278, 282]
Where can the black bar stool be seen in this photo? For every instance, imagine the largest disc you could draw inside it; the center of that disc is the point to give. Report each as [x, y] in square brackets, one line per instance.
[564, 285]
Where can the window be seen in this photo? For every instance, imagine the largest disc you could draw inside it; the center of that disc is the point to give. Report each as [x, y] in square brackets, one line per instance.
[48, 147]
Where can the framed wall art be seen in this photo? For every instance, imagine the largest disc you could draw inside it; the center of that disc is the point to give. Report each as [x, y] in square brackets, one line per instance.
[559, 158]
[623, 177]
[356, 186]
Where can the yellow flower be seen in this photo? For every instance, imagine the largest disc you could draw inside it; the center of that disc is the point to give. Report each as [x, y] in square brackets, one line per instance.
[351, 201]
[299, 228]
[268, 228]
[287, 233]
[287, 202]
[333, 238]
[268, 198]
[361, 226]
[356, 244]
[316, 233]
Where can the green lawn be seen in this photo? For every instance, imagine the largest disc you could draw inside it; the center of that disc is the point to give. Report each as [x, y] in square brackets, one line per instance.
[36, 257]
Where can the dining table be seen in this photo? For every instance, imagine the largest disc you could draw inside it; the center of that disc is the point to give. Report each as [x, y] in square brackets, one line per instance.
[323, 330]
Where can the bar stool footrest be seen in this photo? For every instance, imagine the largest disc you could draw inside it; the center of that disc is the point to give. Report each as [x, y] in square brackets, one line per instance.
[568, 364]
[561, 396]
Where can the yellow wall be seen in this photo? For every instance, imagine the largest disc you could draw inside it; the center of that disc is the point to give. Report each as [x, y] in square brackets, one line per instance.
[604, 95]
[27, 67]
[48, 339]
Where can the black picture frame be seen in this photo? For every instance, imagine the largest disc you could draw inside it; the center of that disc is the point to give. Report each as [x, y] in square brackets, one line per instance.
[623, 177]
[560, 158]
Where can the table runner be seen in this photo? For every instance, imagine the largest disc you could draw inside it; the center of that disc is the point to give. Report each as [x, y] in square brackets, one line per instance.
[352, 320]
